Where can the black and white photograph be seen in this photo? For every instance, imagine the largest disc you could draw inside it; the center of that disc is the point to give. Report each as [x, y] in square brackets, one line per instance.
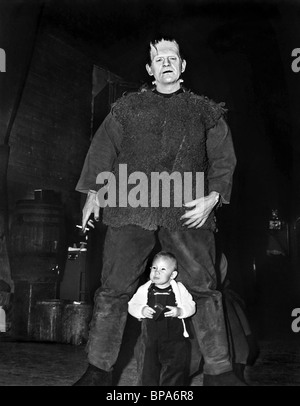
[150, 195]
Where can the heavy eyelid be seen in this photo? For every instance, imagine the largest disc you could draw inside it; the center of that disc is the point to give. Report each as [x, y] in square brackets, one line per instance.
[160, 58]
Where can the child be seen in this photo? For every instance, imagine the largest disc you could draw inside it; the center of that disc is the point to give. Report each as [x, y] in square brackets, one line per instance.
[160, 303]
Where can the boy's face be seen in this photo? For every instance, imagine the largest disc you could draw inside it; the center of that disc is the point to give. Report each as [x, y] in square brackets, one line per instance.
[162, 271]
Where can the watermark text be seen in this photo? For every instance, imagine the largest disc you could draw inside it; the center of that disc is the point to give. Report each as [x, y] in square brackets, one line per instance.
[296, 62]
[160, 189]
[2, 60]
[296, 322]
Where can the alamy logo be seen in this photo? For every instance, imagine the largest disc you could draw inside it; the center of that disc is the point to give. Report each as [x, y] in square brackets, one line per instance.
[296, 322]
[153, 192]
[2, 60]
[296, 62]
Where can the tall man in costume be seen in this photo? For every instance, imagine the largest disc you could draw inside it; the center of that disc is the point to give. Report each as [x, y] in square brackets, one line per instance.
[165, 129]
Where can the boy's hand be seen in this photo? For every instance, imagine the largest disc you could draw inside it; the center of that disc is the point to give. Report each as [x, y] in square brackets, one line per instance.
[173, 312]
[148, 312]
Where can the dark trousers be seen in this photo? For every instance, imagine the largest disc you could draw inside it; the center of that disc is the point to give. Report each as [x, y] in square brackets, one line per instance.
[162, 353]
[126, 251]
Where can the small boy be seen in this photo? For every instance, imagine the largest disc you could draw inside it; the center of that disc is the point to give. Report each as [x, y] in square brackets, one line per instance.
[162, 304]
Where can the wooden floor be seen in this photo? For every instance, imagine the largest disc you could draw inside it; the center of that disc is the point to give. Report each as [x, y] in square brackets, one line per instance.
[57, 364]
[52, 364]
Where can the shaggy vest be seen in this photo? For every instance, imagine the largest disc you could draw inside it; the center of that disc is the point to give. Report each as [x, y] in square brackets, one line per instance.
[161, 135]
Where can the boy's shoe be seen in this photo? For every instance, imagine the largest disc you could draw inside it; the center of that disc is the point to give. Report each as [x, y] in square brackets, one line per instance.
[239, 370]
[94, 376]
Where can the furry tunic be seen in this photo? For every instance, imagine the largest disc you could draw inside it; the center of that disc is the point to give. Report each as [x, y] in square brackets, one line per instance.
[162, 135]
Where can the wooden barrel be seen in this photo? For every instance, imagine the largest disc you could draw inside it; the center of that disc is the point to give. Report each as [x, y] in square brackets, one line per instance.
[48, 320]
[4, 260]
[37, 241]
[75, 322]
[4, 298]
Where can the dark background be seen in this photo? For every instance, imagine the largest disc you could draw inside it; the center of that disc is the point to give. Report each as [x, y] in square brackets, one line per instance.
[238, 52]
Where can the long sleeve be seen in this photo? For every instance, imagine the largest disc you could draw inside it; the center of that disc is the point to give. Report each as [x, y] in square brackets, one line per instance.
[102, 153]
[184, 300]
[222, 160]
[139, 301]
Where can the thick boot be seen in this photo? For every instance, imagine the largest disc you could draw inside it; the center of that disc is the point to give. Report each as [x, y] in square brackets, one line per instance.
[94, 376]
[253, 349]
[225, 379]
[239, 370]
